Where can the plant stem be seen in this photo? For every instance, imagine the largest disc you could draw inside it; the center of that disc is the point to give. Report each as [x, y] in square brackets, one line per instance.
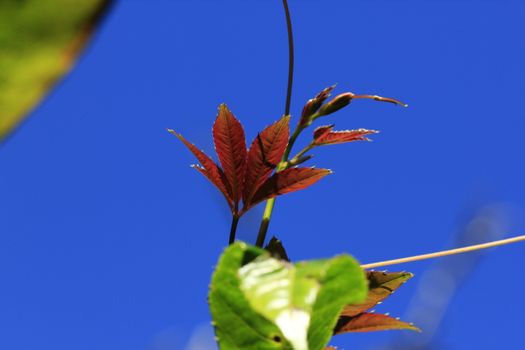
[290, 58]
[445, 252]
[265, 223]
[233, 229]
[301, 153]
[268, 209]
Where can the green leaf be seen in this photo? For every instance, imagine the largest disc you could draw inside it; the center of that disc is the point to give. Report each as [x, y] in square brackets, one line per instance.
[283, 294]
[39, 40]
[344, 283]
[237, 324]
[260, 302]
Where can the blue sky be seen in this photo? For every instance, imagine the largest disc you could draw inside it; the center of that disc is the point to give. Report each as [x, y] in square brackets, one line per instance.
[108, 238]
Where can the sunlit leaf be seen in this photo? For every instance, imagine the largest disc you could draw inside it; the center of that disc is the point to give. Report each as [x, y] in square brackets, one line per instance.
[283, 294]
[380, 286]
[265, 153]
[325, 136]
[237, 324]
[369, 322]
[209, 169]
[230, 144]
[39, 40]
[289, 180]
[344, 281]
[259, 302]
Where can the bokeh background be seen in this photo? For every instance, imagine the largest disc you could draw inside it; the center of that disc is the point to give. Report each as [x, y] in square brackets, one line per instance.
[108, 238]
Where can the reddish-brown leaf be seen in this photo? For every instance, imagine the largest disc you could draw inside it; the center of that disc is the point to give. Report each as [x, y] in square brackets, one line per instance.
[230, 144]
[380, 286]
[328, 137]
[322, 130]
[265, 153]
[369, 322]
[313, 105]
[288, 180]
[209, 169]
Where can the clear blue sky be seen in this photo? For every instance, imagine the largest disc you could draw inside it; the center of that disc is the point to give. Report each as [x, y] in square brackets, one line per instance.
[108, 237]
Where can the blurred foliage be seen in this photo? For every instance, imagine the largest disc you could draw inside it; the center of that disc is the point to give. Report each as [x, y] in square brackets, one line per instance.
[39, 42]
[260, 302]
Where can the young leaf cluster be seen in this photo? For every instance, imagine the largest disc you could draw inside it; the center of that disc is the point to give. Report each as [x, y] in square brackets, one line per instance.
[246, 174]
[249, 176]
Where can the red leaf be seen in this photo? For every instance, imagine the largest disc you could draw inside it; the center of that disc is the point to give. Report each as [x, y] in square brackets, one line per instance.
[368, 322]
[288, 180]
[313, 105]
[328, 137]
[230, 144]
[265, 153]
[209, 169]
[380, 286]
[322, 130]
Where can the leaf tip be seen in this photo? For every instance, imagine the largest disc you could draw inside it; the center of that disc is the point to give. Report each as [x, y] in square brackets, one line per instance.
[223, 107]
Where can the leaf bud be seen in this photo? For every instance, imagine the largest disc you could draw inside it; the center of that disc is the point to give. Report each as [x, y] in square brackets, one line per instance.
[313, 105]
[338, 102]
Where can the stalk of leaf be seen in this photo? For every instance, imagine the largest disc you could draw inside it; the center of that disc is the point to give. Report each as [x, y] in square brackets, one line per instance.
[445, 252]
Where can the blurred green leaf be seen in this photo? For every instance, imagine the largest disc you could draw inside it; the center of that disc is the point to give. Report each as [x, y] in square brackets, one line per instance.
[260, 302]
[344, 282]
[237, 325]
[39, 42]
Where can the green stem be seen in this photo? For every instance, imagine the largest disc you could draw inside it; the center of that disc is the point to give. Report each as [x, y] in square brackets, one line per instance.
[288, 149]
[265, 223]
[270, 203]
[233, 229]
